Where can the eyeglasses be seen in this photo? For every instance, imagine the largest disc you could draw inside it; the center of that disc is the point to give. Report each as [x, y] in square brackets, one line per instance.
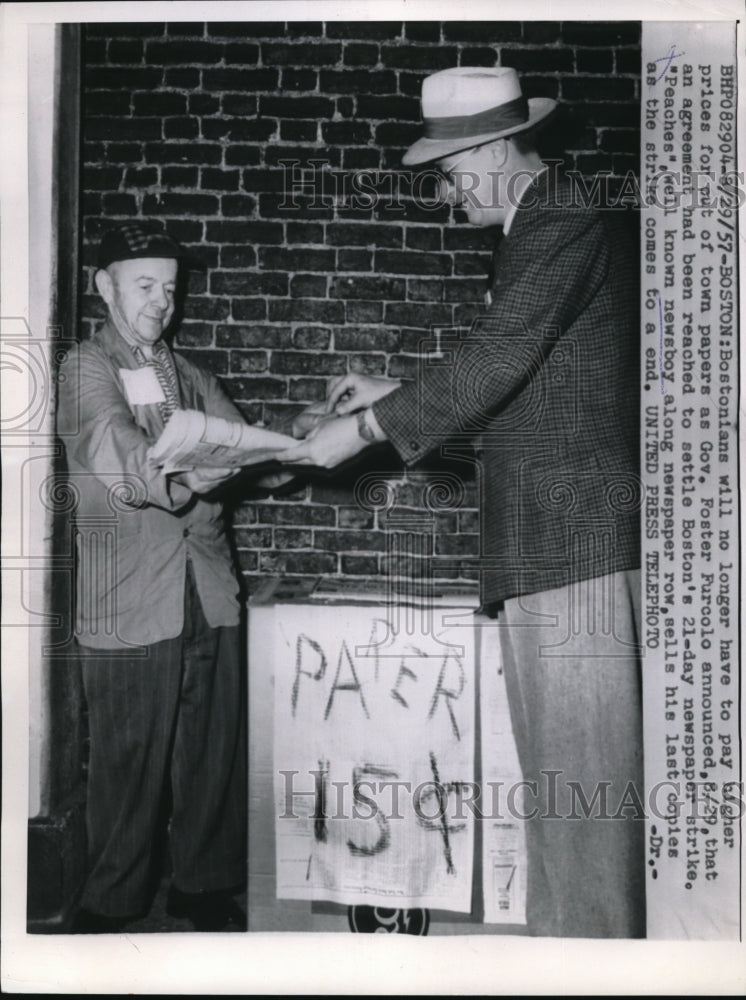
[448, 192]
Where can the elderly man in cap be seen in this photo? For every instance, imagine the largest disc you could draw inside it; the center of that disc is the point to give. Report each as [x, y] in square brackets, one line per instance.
[157, 609]
[545, 384]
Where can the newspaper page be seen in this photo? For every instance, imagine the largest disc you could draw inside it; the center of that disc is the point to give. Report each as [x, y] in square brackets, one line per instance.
[689, 466]
[374, 759]
[192, 439]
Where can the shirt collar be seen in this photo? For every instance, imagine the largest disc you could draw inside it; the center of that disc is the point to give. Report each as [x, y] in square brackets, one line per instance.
[522, 184]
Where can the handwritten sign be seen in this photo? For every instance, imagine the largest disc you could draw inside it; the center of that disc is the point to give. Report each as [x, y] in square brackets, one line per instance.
[374, 760]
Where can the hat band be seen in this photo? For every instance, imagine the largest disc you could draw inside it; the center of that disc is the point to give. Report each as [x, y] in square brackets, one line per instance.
[492, 120]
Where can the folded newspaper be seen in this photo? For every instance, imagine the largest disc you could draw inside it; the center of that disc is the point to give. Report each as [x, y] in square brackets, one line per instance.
[192, 439]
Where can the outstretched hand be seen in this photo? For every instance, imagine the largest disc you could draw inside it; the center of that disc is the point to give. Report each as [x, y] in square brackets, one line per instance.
[353, 392]
[331, 442]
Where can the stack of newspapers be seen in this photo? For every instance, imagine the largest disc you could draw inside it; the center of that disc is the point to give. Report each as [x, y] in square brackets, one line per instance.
[192, 440]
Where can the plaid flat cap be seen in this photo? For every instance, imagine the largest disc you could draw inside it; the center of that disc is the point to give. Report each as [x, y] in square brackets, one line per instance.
[133, 240]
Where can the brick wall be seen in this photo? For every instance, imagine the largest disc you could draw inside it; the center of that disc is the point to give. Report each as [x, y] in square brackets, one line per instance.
[190, 124]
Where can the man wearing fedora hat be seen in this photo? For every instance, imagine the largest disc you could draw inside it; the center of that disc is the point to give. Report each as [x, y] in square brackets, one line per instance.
[157, 609]
[545, 385]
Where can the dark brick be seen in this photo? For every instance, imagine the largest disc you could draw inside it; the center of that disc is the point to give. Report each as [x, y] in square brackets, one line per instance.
[357, 81]
[386, 108]
[544, 60]
[306, 310]
[365, 30]
[191, 152]
[247, 156]
[253, 538]
[302, 161]
[245, 387]
[350, 234]
[422, 31]
[247, 561]
[308, 390]
[242, 362]
[628, 61]
[240, 80]
[294, 259]
[237, 256]
[203, 307]
[239, 104]
[214, 362]
[424, 238]
[185, 230]
[361, 158]
[360, 565]
[610, 115]
[180, 128]
[182, 77]
[299, 131]
[195, 334]
[541, 32]
[293, 538]
[401, 366]
[185, 29]
[179, 176]
[184, 52]
[263, 180]
[299, 79]
[368, 364]
[381, 288]
[180, 204]
[602, 33]
[123, 128]
[280, 513]
[354, 260]
[315, 338]
[306, 363]
[308, 285]
[121, 77]
[424, 291]
[213, 179]
[465, 290]
[345, 106]
[140, 177]
[594, 60]
[106, 102]
[296, 107]
[302, 232]
[101, 178]
[229, 231]
[363, 312]
[364, 54]
[94, 50]
[346, 541]
[119, 204]
[315, 563]
[480, 55]
[419, 314]
[235, 335]
[162, 103]
[346, 133]
[355, 517]
[596, 88]
[457, 545]
[366, 339]
[247, 283]
[244, 309]
[272, 206]
[300, 54]
[246, 29]
[540, 86]
[499, 32]
[124, 29]
[203, 104]
[408, 262]
[620, 141]
[304, 29]
[237, 205]
[241, 53]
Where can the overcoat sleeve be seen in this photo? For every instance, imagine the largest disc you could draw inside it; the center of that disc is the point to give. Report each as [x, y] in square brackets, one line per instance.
[546, 277]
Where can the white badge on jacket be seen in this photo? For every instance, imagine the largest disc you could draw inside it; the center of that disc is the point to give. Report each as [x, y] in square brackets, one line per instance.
[141, 386]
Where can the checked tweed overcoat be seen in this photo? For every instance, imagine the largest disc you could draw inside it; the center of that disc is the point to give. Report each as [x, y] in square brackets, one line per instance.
[545, 385]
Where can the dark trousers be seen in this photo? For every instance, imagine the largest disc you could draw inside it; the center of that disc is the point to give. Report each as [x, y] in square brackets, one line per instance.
[177, 713]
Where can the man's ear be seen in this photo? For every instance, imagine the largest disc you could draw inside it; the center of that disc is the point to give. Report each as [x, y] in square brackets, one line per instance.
[104, 285]
[499, 151]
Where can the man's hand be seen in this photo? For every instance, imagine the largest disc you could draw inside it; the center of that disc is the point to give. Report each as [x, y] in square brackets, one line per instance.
[205, 480]
[357, 392]
[332, 442]
[308, 419]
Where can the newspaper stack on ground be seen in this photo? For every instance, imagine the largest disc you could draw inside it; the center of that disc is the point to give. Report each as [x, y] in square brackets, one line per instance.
[192, 439]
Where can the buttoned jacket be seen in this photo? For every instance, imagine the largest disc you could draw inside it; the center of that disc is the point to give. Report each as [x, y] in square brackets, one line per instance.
[136, 527]
[545, 385]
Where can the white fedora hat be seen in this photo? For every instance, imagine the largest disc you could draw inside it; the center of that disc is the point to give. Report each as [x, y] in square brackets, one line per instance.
[467, 106]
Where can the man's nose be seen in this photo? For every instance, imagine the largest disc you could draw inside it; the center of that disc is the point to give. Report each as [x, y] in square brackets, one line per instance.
[448, 194]
[159, 297]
